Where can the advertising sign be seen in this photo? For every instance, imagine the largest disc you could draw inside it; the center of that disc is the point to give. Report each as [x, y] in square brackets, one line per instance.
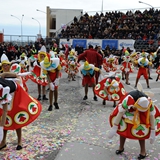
[112, 43]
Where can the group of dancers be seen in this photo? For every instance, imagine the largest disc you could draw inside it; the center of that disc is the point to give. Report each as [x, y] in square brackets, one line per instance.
[135, 116]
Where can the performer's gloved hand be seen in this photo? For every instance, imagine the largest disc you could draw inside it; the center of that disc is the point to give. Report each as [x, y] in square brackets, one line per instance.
[51, 86]
[56, 82]
[1, 133]
[113, 131]
[152, 136]
[109, 97]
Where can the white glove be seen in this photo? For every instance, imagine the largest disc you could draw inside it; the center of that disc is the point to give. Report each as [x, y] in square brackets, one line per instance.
[109, 97]
[51, 86]
[152, 136]
[56, 82]
[22, 62]
[112, 132]
[1, 133]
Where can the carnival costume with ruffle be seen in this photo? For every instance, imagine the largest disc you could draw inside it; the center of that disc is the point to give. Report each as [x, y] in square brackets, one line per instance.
[126, 65]
[37, 75]
[22, 108]
[109, 64]
[115, 89]
[135, 123]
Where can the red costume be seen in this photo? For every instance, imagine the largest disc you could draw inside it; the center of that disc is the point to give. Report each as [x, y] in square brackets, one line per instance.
[135, 123]
[114, 93]
[23, 110]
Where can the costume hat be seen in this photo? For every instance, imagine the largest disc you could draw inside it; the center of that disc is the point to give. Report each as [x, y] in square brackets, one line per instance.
[50, 63]
[142, 104]
[39, 53]
[47, 61]
[4, 59]
[144, 54]
[86, 66]
[23, 55]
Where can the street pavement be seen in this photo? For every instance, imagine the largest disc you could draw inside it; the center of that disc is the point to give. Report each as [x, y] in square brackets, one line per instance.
[78, 130]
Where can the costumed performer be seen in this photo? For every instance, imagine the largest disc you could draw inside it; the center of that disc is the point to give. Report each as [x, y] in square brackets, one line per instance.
[126, 67]
[109, 64]
[110, 89]
[51, 67]
[37, 76]
[20, 112]
[72, 69]
[88, 72]
[135, 117]
[143, 64]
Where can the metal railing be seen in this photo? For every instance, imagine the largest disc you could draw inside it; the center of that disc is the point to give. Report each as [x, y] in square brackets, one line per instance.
[16, 39]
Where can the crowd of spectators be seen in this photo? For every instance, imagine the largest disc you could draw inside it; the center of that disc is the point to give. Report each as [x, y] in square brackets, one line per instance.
[116, 25]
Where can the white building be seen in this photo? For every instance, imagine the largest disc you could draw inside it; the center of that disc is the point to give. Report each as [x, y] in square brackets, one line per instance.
[58, 18]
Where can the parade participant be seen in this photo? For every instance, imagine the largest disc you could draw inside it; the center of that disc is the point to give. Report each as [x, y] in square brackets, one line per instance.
[72, 69]
[110, 89]
[143, 64]
[135, 117]
[63, 62]
[51, 67]
[66, 52]
[109, 64]
[39, 77]
[72, 56]
[126, 67]
[93, 57]
[88, 71]
[18, 114]
[23, 61]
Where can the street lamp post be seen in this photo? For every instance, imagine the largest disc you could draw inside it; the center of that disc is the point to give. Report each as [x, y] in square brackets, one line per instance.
[146, 4]
[39, 25]
[40, 11]
[21, 26]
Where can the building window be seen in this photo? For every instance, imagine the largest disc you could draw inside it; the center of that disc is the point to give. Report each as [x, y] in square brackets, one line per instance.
[53, 23]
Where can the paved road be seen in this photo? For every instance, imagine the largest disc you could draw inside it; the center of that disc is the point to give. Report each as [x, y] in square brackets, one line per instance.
[78, 131]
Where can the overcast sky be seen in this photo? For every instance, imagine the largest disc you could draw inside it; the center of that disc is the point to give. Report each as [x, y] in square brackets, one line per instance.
[12, 26]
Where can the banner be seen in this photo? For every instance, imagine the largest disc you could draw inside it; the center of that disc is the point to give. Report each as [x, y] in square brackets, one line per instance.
[94, 42]
[65, 41]
[80, 43]
[112, 43]
[126, 43]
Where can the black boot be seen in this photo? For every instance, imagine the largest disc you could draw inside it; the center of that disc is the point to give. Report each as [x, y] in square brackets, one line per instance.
[44, 97]
[39, 98]
[50, 108]
[104, 102]
[56, 105]
[85, 97]
[95, 98]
